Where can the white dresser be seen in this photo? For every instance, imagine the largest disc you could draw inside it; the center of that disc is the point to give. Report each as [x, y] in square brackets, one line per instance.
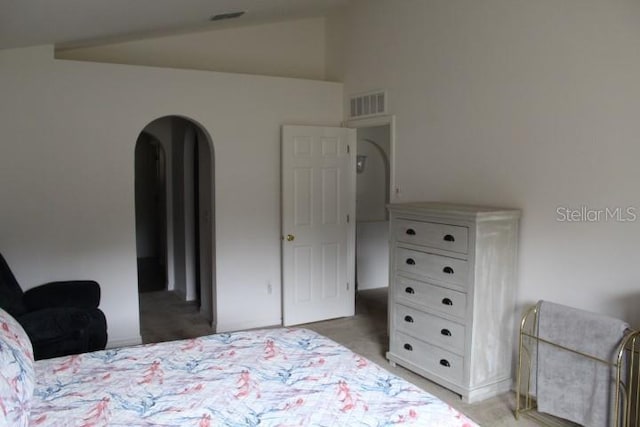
[452, 295]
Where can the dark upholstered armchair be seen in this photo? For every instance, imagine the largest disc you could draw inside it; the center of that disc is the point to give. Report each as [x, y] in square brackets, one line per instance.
[60, 318]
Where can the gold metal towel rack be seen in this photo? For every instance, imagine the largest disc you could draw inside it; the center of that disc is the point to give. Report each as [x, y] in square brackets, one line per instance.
[626, 364]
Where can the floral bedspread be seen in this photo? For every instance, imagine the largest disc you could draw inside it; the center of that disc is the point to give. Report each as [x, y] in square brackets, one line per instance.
[273, 377]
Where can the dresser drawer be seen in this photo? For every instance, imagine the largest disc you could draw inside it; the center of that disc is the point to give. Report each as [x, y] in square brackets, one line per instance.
[434, 297]
[442, 236]
[430, 328]
[429, 357]
[436, 267]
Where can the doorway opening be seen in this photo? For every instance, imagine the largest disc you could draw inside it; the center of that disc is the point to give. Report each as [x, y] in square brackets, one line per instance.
[174, 203]
[374, 174]
[150, 174]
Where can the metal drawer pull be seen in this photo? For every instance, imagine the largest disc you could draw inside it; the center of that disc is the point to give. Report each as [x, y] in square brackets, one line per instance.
[447, 301]
[408, 319]
[445, 363]
[446, 332]
[411, 261]
[449, 238]
[409, 290]
[447, 270]
[408, 347]
[411, 232]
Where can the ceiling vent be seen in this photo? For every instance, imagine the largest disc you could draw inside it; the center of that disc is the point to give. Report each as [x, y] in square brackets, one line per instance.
[223, 16]
[368, 104]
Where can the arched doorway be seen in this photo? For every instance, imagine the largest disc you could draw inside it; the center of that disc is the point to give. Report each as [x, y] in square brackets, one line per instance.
[174, 170]
[373, 178]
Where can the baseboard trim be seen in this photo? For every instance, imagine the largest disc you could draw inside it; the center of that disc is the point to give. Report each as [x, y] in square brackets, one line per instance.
[241, 326]
[126, 342]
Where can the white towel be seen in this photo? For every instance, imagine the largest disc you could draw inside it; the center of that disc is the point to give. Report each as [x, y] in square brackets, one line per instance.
[571, 386]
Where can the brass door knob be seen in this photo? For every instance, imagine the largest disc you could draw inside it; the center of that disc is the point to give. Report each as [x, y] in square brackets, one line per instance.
[290, 237]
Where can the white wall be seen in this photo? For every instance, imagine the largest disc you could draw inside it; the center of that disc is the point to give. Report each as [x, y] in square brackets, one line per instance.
[372, 254]
[69, 132]
[288, 49]
[207, 219]
[181, 258]
[188, 189]
[527, 104]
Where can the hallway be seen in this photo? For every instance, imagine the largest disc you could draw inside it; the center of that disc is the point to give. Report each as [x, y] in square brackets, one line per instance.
[164, 316]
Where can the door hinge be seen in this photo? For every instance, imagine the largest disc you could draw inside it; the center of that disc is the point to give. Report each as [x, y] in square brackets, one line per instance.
[348, 149]
[347, 285]
[348, 218]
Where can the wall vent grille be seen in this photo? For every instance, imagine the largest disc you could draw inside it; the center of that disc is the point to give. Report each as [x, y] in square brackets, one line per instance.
[223, 16]
[368, 104]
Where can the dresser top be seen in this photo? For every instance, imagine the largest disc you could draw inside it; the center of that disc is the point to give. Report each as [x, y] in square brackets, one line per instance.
[452, 209]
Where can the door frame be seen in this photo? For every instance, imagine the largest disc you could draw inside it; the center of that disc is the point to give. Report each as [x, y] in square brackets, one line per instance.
[207, 230]
[390, 120]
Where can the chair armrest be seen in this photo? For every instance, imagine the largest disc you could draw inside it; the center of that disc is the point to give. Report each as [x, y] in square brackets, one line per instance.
[74, 293]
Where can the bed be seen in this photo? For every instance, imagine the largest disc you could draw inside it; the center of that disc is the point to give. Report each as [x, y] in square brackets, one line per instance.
[271, 377]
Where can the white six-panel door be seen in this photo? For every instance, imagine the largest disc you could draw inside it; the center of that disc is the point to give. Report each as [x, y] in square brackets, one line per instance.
[318, 223]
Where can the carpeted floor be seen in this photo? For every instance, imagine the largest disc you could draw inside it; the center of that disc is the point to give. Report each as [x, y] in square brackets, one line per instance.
[164, 316]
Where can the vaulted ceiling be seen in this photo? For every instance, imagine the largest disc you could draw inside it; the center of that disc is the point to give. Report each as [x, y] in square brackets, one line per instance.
[72, 23]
